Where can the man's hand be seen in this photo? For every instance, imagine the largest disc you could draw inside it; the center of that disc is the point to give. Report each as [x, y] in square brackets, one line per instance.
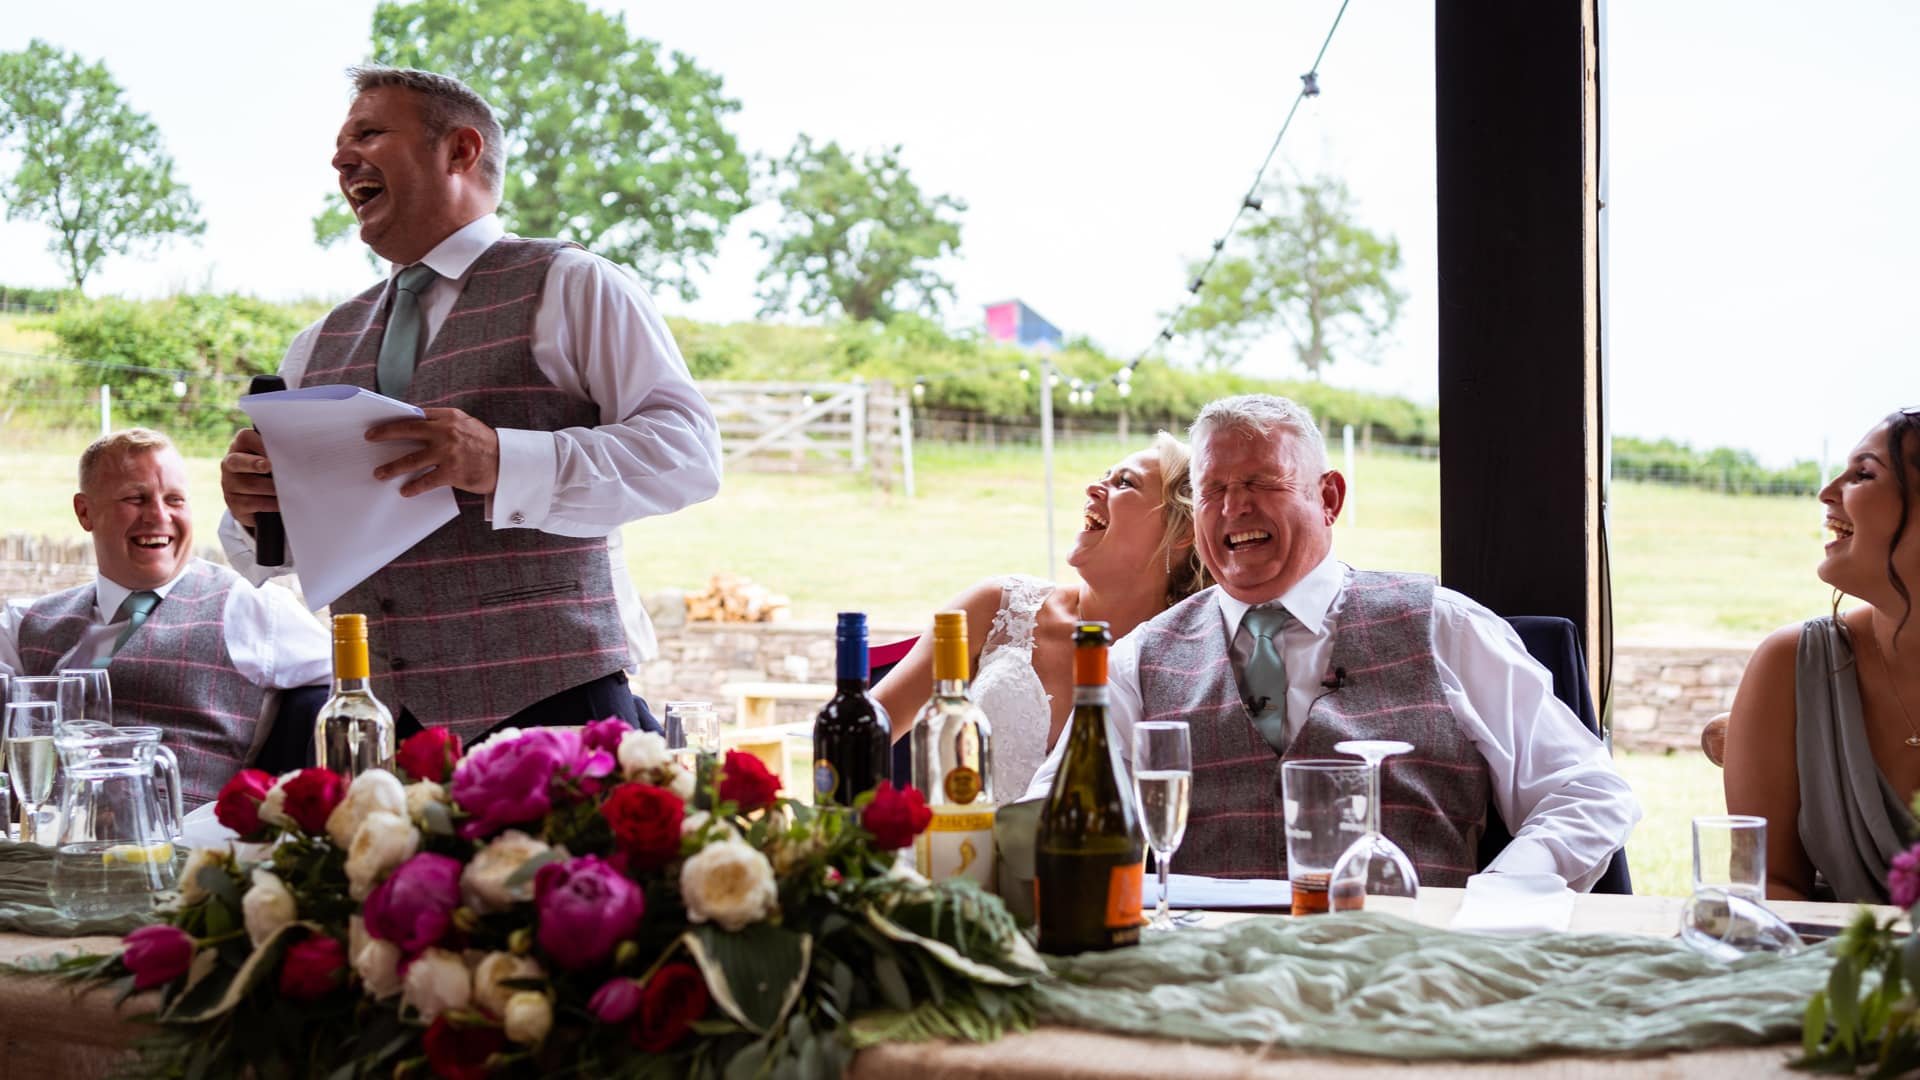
[460, 452]
[246, 478]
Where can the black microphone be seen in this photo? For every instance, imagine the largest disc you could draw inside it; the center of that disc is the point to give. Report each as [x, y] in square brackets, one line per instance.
[1335, 680]
[1258, 705]
[269, 532]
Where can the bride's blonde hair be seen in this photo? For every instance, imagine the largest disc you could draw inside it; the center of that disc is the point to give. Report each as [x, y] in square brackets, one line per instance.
[1185, 573]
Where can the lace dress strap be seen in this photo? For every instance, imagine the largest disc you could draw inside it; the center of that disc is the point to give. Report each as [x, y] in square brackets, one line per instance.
[1021, 598]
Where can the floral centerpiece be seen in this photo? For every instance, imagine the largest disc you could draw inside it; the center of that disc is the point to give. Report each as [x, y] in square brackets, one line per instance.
[1869, 1014]
[558, 901]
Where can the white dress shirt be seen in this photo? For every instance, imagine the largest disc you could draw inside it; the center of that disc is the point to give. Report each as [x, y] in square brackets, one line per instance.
[1548, 772]
[276, 644]
[598, 337]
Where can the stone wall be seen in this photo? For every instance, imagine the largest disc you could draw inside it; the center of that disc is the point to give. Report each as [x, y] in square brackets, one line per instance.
[1663, 695]
[697, 659]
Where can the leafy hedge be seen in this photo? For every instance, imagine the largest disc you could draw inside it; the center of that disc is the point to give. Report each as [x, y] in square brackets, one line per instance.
[1722, 469]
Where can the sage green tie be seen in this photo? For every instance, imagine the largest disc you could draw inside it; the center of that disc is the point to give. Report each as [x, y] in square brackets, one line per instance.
[135, 609]
[400, 348]
[1266, 675]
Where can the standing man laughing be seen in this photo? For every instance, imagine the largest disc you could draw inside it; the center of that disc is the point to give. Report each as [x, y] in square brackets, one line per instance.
[557, 408]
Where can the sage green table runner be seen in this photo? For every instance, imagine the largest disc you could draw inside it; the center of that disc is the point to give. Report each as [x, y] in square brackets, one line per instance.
[24, 907]
[1373, 984]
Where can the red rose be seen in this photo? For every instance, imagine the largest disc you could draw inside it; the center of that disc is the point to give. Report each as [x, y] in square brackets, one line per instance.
[646, 823]
[429, 755]
[311, 795]
[460, 1051]
[238, 805]
[314, 968]
[157, 955]
[745, 781]
[895, 816]
[671, 1001]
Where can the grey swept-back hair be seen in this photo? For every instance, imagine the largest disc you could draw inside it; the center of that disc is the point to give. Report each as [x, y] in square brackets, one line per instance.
[446, 103]
[1260, 415]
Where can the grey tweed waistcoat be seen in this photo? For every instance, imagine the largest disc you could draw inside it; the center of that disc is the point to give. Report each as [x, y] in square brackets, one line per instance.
[473, 624]
[1433, 800]
[174, 672]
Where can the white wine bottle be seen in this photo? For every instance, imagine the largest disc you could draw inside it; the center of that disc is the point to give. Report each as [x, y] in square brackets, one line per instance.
[354, 731]
[953, 766]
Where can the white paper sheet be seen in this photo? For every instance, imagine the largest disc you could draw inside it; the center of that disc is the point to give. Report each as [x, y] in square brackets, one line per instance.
[342, 524]
[1223, 894]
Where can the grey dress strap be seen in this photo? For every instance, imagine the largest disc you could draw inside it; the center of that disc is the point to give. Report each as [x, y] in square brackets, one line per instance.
[1852, 822]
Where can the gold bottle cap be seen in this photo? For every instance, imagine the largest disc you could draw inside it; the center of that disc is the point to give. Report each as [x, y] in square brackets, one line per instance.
[350, 627]
[950, 645]
[350, 647]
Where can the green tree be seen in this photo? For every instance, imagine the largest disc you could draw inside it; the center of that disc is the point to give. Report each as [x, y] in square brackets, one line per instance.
[90, 167]
[1307, 268]
[855, 235]
[609, 143]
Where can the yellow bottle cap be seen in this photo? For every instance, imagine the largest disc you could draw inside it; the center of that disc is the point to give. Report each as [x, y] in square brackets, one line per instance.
[950, 645]
[350, 646]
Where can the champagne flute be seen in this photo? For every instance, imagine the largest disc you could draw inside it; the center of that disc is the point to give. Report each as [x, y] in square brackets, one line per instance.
[1374, 865]
[1163, 779]
[30, 759]
[96, 695]
[67, 694]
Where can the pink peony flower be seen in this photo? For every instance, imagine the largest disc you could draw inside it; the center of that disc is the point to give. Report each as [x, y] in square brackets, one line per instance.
[157, 955]
[605, 734]
[509, 781]
[414, 907]
[586, 908]
[1903, 878]
[616, 1001]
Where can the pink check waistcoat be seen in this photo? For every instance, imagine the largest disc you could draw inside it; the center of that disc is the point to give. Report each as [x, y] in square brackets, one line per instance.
[1433, 800]
[473, 624]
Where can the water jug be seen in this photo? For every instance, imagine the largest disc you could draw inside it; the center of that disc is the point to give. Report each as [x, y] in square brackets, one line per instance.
[115, 852]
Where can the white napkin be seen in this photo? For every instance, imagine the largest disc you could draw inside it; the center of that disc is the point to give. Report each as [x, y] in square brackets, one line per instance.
[1515, 904]
[200, 829]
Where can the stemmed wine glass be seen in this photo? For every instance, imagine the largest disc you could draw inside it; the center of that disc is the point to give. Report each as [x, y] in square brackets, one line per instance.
[1373, 865]
[31, 762]
[96, 694]
[67, 694]
[1163, 779]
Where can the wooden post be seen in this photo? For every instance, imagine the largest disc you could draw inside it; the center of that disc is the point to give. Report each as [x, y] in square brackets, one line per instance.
[906, 445]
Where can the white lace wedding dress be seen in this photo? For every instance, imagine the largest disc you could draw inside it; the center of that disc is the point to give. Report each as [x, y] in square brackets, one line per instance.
[1008, 690]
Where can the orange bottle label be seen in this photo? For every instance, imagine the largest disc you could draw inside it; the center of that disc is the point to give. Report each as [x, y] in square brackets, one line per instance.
[1123, 896]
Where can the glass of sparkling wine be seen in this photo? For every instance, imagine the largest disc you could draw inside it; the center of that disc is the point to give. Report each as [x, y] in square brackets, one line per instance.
[1162, 778]
[68, 694]
[31, 762]
[96, 699]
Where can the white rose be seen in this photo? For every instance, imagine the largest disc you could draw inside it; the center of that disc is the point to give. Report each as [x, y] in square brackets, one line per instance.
[378, 965]
[483, 884]
[495, 969]
[729, 883]
[422, 794]
[528, 1018]
[384, 841]
[682, 783]
[641, 754]
[191, 892]
[437, 981]
[699, 823]
[273, 808]
[373, 791]
[267, 907]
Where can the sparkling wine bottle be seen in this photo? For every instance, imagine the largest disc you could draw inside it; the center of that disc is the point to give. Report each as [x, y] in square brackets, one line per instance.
[1088, 862]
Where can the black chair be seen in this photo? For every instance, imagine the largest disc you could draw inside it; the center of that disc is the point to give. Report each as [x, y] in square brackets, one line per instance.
[1555, 643]
[289, 744]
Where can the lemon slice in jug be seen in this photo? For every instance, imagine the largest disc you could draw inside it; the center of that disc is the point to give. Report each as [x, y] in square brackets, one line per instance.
[137, 854]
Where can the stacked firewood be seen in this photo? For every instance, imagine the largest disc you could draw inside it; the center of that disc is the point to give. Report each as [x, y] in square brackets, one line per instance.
[734, 598]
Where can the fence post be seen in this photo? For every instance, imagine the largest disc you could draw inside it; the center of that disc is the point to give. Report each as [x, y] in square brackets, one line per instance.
[106, 409]
[1346, 444]
[906, 444]
[1046, 451]
[859, 423]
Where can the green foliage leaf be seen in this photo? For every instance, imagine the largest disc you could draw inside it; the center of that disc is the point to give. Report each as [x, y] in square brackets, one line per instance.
[755, 974]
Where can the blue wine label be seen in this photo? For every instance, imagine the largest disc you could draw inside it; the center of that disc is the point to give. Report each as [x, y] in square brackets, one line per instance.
[825, 778]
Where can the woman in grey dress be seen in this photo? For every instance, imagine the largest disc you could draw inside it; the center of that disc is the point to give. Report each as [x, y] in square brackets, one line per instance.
[1825, 737]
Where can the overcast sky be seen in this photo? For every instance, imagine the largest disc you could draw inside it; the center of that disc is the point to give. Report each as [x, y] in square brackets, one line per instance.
[1762, 234]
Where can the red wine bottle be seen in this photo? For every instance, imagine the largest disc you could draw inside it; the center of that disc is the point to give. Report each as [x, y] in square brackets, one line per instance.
[852, 743]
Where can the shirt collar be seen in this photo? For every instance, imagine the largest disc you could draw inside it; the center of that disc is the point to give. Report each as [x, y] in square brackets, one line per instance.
[1309, 601]
[453, 257]
[109, 594]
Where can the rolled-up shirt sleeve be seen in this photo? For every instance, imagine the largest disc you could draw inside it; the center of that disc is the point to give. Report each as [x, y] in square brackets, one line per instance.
[599, 337]
[1549, 773]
